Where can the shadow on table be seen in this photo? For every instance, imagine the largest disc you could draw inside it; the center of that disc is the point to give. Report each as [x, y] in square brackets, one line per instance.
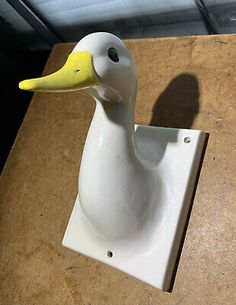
[178, 104]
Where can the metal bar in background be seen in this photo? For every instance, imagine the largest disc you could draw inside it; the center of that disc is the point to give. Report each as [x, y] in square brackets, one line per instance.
[37, 22]
[206, 16]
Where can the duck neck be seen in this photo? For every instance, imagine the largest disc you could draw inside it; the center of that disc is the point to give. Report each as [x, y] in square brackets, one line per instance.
[111, 131]
[119, 116]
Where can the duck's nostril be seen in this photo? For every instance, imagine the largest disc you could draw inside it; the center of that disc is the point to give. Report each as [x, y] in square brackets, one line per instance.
[77, 70]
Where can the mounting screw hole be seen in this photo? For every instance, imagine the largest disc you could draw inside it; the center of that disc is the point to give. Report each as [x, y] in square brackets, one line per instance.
[109, 254]
[187, 140]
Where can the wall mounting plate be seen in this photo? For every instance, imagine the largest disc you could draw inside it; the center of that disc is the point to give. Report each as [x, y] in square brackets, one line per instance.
[150, 256]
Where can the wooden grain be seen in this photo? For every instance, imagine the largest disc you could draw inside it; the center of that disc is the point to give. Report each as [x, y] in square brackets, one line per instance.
[184, 82]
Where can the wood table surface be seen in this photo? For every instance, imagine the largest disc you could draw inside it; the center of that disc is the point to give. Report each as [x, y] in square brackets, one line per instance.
[187, 82]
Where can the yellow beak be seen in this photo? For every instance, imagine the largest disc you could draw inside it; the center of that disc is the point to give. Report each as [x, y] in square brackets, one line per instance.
[77, 73]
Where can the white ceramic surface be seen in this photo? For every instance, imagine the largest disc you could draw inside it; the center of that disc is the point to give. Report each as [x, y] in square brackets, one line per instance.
[135, 187]
[150, 254]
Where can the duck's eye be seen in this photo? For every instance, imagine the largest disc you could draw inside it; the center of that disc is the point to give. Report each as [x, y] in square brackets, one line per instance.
[112, 53]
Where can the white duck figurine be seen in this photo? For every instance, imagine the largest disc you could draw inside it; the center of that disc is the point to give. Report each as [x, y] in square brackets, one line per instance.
[135, 187]
[115, 183]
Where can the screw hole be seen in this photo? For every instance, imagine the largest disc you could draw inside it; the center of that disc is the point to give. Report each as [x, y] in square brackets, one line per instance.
[187, 140]
[109, 254]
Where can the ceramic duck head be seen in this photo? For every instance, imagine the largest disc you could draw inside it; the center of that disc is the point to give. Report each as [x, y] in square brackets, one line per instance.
[113, 182]
[100, 63]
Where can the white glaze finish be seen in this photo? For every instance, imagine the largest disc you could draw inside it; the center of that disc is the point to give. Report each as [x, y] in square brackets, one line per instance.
[115, 184]
[135, 187]
[151, 254]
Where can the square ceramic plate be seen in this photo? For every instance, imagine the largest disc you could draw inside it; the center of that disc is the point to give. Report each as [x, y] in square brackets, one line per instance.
[150, 257]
